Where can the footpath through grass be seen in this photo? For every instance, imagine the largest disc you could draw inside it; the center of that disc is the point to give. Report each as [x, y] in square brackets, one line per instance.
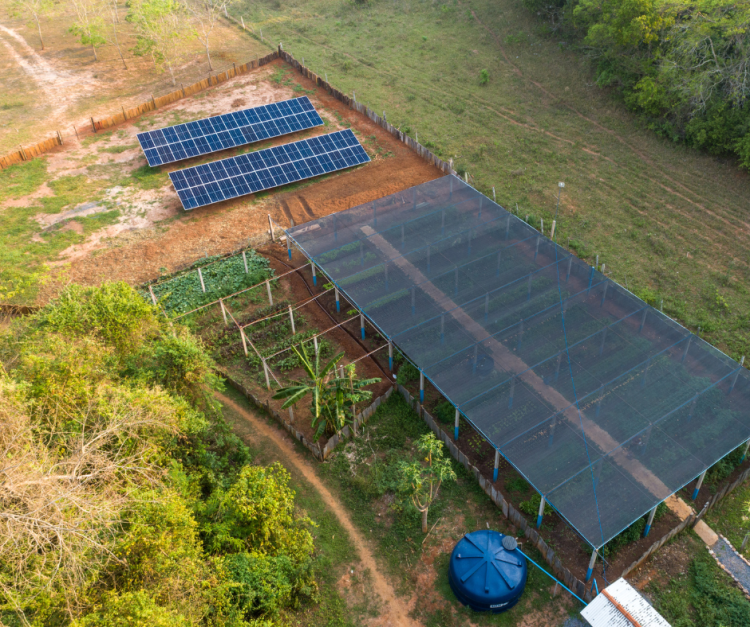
[668, 222]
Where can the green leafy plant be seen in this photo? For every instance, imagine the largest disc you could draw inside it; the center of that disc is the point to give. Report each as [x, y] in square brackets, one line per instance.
[421, 480]
[531, 507]
[484, 77]
[334, 396]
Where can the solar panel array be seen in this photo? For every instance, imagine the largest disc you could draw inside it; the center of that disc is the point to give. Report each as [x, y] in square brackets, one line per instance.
[264, 169]
[238, 128]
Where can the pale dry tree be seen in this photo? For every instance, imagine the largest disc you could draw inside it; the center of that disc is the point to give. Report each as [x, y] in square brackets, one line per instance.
[63, 492]
[204, 16]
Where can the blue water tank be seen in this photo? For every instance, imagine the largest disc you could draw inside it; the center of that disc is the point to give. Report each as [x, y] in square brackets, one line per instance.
[486, 572]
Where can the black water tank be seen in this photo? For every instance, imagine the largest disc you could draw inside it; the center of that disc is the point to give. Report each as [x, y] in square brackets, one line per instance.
[486, 572]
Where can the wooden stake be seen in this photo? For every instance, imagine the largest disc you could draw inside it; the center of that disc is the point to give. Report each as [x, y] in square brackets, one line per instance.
[93, 125]
[200, 276]
[153, 298]
[76, 132]
[268, 287]
[244, 259]
[223, 311]
[270, 226]
[244, 343]
[124, 117]
[60, 137]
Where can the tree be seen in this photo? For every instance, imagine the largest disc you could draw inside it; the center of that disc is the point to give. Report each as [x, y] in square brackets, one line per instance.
[422, 480]
[89, 25]
[161, 28]
[205, 14]
[36, 9]
[334, 398]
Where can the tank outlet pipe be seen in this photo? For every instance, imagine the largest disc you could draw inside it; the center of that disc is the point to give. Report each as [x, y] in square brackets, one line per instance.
[560, 583]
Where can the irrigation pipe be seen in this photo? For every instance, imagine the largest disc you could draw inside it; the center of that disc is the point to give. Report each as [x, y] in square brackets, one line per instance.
[551, 576]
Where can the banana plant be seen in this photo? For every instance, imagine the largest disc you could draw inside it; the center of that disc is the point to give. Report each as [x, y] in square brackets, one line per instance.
[334, 394]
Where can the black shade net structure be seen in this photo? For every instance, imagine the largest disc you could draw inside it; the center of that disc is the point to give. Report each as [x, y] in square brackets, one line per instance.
[604, 404]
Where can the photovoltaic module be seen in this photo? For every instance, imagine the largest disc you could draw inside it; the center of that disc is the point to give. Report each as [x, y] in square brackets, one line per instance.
[238, 128]
[264, 169]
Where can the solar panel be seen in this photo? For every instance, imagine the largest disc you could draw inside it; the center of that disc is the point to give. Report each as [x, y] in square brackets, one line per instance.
[264, 169]
[175, 143]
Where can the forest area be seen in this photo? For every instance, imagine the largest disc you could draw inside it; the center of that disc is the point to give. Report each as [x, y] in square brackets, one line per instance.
[126, 499]
[683, 66]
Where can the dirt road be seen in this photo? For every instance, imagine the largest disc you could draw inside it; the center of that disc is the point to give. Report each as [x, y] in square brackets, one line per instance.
[394, 612]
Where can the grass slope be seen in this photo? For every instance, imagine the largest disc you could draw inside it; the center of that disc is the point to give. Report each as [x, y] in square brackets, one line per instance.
[669, 223]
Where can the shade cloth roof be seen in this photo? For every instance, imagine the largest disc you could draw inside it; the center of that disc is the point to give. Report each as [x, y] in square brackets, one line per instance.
[604, 404]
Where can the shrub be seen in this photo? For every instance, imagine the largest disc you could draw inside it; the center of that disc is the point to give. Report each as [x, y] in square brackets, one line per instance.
[531, 507]
[407, 373]
[484, 77]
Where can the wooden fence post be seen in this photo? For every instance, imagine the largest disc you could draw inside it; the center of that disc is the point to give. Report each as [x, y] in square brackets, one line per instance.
[93, 125]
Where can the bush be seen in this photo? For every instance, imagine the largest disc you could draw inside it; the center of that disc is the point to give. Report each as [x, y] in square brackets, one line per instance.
[484, 77]
[445, 412]
[407, 373]
[531, 507]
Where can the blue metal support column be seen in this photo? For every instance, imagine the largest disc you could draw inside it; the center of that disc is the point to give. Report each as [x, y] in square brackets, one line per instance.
[541, 512]
[744, 452]
[338, 303]
[455, 428]
[315, 278]
[592, 561]
[362, 324]
[289, 246]
[421, 387]
[390, 356]
[497, 464]
[699, 484]
[650, 521]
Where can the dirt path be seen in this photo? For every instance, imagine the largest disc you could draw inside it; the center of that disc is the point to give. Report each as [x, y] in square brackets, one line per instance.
[394, 611]
[38, 69]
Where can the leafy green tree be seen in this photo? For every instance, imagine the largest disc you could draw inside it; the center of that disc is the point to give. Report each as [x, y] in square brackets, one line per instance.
[161, 27]
[36, 9]
[334, 397]
[89, 24]
[421, 480]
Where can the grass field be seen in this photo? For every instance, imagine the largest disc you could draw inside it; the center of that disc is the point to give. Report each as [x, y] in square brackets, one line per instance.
[731, 517]
[668, 222]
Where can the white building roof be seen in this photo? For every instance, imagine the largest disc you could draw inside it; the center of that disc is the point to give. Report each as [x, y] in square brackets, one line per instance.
[621, 605]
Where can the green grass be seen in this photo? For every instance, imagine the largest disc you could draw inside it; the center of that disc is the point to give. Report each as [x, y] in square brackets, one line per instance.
[22, 178]
[731, 517]
[22, 259]
[667, 221]
[705, 595]
[333, 549]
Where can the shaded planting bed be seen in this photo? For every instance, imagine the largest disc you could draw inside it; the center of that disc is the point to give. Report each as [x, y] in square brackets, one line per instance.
[605, 405]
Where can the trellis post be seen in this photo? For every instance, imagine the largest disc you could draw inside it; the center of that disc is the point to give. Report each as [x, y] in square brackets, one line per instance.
[315, 278]
[291, 319]
[338, 302]
[362, 324]
[268, 289]
[244, 342]
[270, 226]
[421, 387]
[265, 372]
[455, 427]
[153, 298]
[244, 259]
[390, 362]
[223, 311]
[200, 276]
